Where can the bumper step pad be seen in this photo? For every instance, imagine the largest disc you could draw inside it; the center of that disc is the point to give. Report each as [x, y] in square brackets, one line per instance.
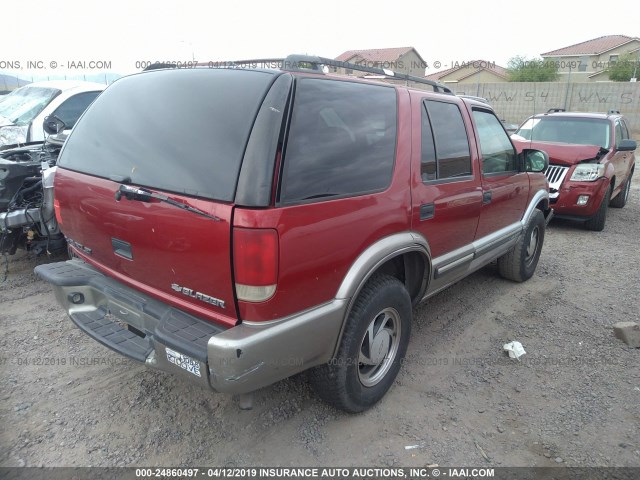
[186, 334]
[164, 324]
[99, 326]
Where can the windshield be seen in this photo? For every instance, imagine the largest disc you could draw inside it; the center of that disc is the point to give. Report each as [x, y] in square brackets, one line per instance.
[24, 104]
[182, 130]
[582, 131]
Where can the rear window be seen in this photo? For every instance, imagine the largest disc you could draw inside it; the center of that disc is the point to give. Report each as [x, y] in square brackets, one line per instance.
[341, 141]
[182, 131]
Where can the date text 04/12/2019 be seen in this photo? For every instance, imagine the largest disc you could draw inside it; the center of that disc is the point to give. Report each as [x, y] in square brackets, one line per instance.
[314, 472]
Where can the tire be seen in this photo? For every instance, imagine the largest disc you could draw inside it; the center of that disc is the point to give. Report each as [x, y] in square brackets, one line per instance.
[519, 263]
[373, 345]
[621, 200]
[596, 223]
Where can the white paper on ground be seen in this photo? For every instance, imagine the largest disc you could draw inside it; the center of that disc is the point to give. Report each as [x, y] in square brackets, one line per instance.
[515, 349]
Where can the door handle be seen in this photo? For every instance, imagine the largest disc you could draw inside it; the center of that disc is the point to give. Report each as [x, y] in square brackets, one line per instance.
[427, 211]
[122, 248]
[486, 197]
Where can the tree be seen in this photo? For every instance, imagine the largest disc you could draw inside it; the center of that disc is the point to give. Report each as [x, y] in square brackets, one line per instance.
[522, 69]
[623, 69]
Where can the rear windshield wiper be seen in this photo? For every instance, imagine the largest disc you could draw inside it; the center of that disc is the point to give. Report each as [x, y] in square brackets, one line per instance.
[142, 195]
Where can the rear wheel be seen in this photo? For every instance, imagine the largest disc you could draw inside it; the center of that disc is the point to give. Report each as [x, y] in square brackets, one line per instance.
[596, 223]
[519, 263]
[621, 200]
[373, 345]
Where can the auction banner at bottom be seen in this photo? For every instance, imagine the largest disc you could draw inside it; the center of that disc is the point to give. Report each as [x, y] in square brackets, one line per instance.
[302, 473]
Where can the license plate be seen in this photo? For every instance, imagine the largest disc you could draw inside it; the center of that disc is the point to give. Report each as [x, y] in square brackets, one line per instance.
[184, 361]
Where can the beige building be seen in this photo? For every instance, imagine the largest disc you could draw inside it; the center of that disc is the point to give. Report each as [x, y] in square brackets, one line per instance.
[588, 61]
[402, 60]
[471, 72]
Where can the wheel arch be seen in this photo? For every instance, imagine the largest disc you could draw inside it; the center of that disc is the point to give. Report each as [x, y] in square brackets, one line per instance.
[539, 201]
[405, 256]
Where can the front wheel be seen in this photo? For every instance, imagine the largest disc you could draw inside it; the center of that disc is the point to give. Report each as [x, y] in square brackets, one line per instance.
[373, 344]
[621, 199]
[519, 263]
[596, 223]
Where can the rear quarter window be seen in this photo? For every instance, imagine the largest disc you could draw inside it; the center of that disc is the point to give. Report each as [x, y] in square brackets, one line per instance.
[341, 141]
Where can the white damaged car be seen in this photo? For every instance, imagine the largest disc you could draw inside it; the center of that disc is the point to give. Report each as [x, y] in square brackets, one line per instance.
[23, 111]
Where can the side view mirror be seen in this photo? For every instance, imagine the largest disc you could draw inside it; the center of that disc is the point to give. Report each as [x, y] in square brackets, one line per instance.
[534, 160]
[53, 125]
[627, 145]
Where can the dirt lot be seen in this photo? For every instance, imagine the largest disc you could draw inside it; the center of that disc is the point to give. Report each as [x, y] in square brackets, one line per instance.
[573, 400]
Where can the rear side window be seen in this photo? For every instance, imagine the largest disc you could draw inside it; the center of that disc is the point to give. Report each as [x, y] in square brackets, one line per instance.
[341, 141]
[445, 146]
[182, 130]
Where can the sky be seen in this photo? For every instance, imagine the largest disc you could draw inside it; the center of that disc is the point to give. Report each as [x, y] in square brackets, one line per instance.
[65, 36]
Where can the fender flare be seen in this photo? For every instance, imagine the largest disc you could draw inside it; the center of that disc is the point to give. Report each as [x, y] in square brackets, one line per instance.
[370, 261]
[540, 195]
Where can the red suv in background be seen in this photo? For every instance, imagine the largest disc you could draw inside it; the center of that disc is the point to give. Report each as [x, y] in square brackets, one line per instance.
[591, 162]
[237, 226]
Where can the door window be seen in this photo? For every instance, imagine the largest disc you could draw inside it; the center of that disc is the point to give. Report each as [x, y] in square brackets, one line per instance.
[71, 109]
[445, 147]
[498, 154]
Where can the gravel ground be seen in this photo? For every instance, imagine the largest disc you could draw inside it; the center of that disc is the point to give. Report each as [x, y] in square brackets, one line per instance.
[574, 399]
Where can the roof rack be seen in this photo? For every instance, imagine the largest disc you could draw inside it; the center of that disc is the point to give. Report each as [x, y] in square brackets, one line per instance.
[309, 63]
[556, 110]
[473, 97]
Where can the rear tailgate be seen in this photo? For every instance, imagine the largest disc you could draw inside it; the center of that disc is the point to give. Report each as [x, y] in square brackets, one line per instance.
[181, 134]
[174, 255]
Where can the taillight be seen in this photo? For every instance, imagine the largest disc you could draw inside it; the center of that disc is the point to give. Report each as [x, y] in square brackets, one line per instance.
[255, 263]
[56, 208]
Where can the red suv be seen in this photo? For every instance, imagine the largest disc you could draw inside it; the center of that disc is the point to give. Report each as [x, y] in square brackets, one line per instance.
[237, 226]
[591, 162]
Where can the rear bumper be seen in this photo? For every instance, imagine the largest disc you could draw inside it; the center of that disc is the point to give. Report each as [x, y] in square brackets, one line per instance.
[232, 360]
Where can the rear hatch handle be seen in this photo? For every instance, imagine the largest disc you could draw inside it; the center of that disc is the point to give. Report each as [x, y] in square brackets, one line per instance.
[143, 195]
